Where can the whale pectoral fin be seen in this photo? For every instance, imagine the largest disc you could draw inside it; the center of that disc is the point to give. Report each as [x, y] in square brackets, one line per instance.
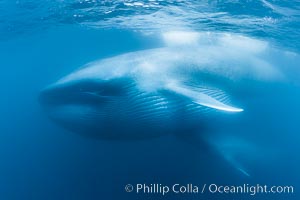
[201, 98]
[238, 152]
[232, 152]
[208, 101]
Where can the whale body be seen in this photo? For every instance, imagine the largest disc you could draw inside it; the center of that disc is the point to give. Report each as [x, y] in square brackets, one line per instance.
[172, 89]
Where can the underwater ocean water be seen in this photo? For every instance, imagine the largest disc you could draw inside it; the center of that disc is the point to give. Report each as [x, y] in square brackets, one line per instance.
[43, 41]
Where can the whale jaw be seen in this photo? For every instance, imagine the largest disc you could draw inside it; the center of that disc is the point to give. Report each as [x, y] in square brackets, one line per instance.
[110, 109]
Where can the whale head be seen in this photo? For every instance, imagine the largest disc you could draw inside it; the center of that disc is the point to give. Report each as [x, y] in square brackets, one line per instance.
[97, 108]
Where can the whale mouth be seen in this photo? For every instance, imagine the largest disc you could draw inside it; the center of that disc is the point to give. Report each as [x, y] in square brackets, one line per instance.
[81, 105]
[84, 92]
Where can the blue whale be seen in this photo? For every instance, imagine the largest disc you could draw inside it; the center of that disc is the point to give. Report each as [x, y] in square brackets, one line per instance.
[183, 88]
[158, 91]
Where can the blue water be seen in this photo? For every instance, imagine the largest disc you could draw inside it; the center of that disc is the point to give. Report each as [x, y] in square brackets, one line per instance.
[41, 41]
